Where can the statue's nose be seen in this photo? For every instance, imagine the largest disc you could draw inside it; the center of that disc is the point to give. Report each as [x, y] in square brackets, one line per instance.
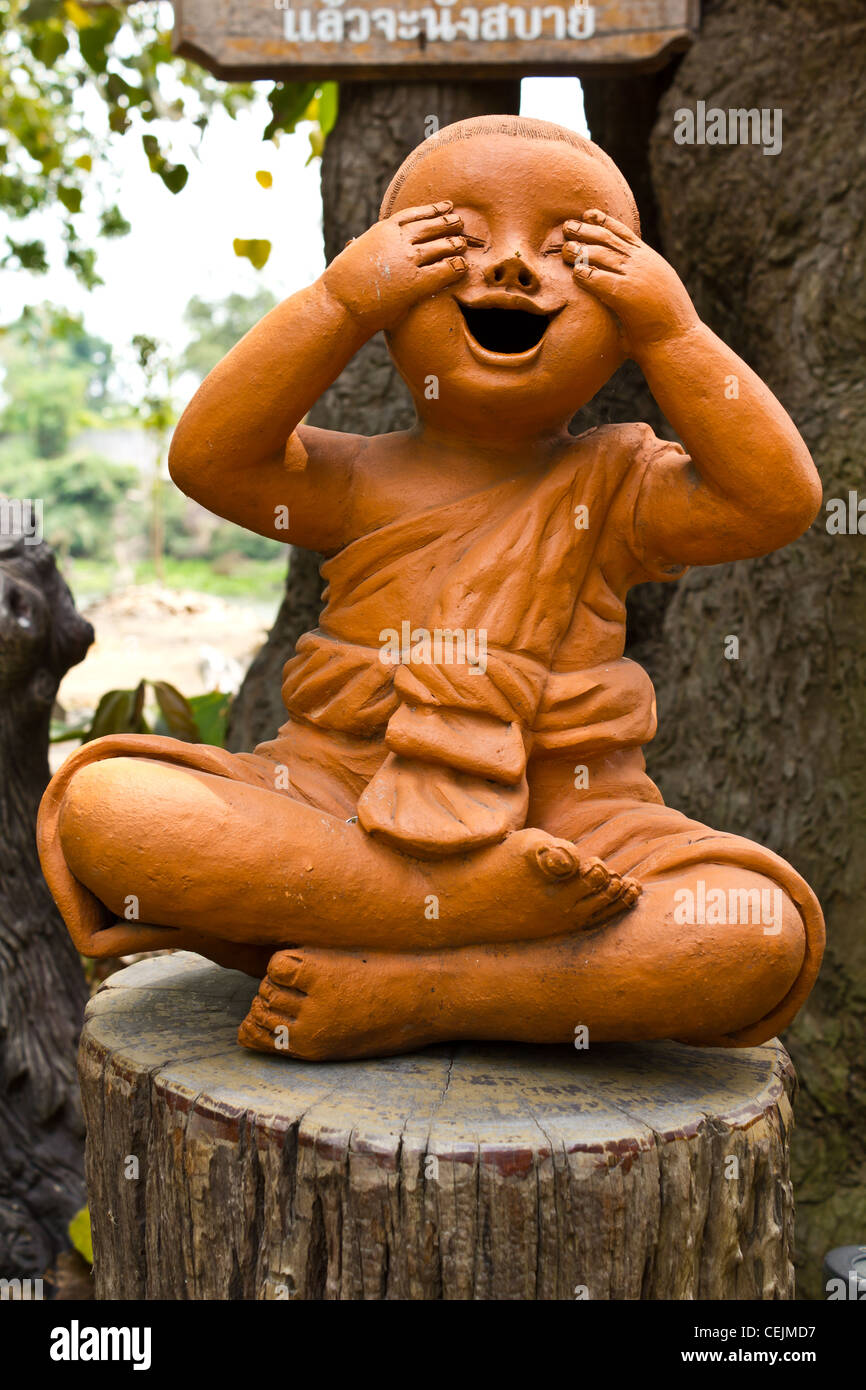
[513, 272]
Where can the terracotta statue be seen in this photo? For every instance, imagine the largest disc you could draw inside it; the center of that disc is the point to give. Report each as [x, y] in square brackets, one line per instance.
[454, 835]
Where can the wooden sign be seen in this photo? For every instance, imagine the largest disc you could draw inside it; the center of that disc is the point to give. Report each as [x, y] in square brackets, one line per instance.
[404, 39]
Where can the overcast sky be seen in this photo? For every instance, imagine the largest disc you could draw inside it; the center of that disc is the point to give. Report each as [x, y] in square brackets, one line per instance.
[181, 245]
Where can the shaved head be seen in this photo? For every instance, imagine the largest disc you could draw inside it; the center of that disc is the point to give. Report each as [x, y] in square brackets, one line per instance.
[520, 128]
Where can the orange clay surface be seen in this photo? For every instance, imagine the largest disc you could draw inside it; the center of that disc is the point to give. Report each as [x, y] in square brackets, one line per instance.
[453, 835]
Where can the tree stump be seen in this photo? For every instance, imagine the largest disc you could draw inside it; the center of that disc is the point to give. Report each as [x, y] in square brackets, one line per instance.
[476, 1171]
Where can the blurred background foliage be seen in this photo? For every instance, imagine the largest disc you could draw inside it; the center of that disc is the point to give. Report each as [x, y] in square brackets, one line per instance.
[152, 707]
[69, 73]
[67, 412]
[86, 434]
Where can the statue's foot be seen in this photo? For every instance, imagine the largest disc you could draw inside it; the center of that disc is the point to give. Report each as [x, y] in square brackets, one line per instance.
[324, 1005]
[597, 893]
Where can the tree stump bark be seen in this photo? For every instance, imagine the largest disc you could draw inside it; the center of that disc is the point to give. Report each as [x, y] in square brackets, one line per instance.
[478, 1171]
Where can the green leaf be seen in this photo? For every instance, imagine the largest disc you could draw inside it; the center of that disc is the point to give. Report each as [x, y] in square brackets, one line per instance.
[81, 1235]
[39, 10]
[95, 37]
[328, 106]
[113, 223]
[150, 144]
[174, 176]
[211, 716]
[50, 45]
[257, 252]
[176, 711]
[288, 102]
[317, 144]
[70, 198]
[79, 16]
[30, 255]
[119, 712]
[82, 260]
[62, 733]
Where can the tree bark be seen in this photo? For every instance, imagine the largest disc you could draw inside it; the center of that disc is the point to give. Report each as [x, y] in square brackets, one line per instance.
[773, 745]
[621, 112]
[42, 986]
[379, 123]
[653, 1171]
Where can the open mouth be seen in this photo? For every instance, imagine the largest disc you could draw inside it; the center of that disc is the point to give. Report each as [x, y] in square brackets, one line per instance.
[508, 332]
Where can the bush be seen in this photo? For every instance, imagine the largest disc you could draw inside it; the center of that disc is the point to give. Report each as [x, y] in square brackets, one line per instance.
[80, 497]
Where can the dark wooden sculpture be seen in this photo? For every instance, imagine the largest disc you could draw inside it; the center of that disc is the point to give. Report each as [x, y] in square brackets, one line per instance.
[42, 986]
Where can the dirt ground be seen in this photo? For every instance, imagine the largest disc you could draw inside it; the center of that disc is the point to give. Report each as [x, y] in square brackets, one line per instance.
[197, 642]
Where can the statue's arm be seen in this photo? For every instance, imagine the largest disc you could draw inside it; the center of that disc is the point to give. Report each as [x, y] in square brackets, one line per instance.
[748, 485]
[237, 448]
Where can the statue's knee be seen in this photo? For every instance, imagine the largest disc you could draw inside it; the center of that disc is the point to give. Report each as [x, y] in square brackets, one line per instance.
[783, 940]
[767, 951]
[742, 946]
[92, 799]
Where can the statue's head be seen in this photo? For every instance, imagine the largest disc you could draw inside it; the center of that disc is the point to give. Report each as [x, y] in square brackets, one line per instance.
[517, 344]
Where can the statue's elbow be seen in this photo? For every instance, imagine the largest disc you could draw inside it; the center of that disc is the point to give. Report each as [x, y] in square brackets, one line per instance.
[796, 498]
[185, 468]
[806, 501]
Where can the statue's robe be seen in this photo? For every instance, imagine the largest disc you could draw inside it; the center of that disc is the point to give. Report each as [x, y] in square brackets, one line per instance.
[540, 723]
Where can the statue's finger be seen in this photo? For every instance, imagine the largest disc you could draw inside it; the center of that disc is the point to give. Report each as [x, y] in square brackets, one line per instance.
[421, 213]
[437, 250]
[601, 257]
[437, 227]
[592, 234]
[604, 219]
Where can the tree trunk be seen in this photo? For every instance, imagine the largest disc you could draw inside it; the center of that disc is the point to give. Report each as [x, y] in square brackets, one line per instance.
[42, 987]
[653, 1171]
[621, 112]
[773, 745]
[379, 123]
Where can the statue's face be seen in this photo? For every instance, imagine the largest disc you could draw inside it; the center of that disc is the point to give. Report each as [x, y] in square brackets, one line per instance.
[516, 346]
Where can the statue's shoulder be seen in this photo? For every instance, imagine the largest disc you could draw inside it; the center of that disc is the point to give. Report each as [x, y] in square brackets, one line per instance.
[629, 434]
[332, 446]
[618, 447]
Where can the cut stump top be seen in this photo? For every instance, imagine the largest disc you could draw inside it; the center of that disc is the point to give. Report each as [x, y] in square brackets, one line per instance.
[176, 1018]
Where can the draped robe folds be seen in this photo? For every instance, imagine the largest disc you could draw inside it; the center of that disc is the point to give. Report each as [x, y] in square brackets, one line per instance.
[485, 588]
[444, 750]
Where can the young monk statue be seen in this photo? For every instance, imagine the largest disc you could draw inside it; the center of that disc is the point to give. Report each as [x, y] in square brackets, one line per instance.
[454, 835]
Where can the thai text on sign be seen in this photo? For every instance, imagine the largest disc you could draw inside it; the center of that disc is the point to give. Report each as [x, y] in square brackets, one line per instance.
[357, 39]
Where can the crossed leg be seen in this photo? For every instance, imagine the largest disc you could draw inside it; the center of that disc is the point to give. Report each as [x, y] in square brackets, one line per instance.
[367, 947]
[240, 866]
[640, 976]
